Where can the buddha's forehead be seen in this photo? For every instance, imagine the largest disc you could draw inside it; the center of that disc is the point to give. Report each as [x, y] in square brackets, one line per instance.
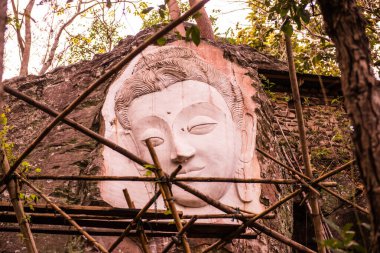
[169, 102]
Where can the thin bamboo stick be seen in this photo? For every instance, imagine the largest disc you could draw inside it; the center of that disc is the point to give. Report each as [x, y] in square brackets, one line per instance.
[295, 172]
[226, 216]
[315, 208]
[102, 79]
[12, 187]
[346, 201]
[167, 194]
[334, 171]
[140, 231]
[134, 221]
[65, 215]
[180, 233]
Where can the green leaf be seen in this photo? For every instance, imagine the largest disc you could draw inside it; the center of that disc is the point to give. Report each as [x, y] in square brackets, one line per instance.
[38, 170]
[146, 10]
[193, 33]
[197, 15]
[149, 166]
[162, 13]
[161, 41]
[305, 16]
[148, 173]
[3, 119]
[287, 28]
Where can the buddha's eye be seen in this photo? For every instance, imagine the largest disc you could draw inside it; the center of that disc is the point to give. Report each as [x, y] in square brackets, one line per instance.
[201, 125]
[154, 135]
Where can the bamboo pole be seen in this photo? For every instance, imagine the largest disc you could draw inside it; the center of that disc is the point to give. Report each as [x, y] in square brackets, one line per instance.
[180, 233]
[315, 208]
[140, 231]
[226, 216]
[134, 221]
[177, 179]
[102, 79]
[65, 215]
[12, 187]
[58, 230]
[167, 194]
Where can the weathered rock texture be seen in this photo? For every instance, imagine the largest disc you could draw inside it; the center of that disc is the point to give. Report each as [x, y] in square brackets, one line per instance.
[67, 152]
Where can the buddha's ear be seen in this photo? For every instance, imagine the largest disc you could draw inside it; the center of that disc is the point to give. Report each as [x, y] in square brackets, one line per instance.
[248, 138]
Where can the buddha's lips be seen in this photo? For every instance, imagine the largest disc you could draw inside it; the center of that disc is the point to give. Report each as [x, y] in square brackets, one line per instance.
[189, 169]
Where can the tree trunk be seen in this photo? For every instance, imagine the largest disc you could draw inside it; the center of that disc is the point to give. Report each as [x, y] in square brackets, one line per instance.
[28, 39]
[3, 21]
[346, 27]
[203, 22]
[175, 13]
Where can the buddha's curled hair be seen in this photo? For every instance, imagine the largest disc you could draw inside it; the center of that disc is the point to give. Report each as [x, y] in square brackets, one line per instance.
[168, 65]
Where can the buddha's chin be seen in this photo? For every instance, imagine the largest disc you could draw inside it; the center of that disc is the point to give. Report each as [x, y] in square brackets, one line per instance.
[187, 199]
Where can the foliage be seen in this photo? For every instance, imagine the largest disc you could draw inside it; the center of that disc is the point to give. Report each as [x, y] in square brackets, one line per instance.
[99, 38]
[313, 51]
[346, 242]
[25, 167]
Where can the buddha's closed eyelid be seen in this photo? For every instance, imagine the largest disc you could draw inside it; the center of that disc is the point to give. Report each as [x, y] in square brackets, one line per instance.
[154, 135]
[201, 125]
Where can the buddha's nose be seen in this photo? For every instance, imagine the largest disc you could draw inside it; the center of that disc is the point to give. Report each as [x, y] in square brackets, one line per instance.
[181, 151]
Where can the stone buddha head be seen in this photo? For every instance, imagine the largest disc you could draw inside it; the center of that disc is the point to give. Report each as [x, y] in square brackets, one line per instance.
[193, 115]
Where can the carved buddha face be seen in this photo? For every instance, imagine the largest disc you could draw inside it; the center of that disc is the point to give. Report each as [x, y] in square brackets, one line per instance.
[189, 123]
[192, 113]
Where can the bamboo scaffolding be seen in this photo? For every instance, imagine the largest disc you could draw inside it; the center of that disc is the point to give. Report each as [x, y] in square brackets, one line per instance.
[66, 216]
[249, 222]
[180, 233]
[167, 194]
[315, 208]
[117, 67]
[229, 210]
[140, 231]
[134, 221]
[24, 226]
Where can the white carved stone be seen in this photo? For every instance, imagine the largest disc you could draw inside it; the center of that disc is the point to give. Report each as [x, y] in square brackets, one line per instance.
[190, 103]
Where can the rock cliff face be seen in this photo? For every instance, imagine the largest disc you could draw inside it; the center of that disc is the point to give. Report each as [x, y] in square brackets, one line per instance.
[67, 152]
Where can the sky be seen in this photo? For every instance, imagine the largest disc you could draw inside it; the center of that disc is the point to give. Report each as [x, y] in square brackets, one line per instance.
[228, 13]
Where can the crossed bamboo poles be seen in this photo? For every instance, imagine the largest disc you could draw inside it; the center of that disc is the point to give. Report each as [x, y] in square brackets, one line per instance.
[306, 182]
